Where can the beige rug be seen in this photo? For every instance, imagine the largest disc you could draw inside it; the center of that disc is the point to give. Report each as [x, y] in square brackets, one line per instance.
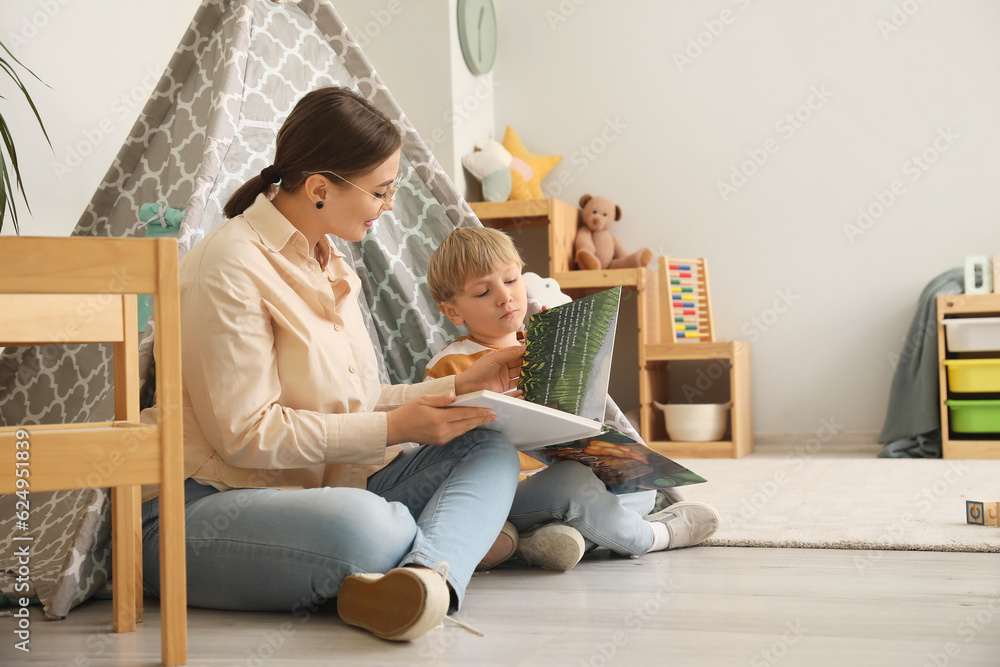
[847, 503]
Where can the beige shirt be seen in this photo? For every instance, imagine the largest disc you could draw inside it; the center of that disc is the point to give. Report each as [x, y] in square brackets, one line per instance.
[281, 385]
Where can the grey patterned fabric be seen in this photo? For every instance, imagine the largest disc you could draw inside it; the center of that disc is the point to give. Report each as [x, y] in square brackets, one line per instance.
[208, 127]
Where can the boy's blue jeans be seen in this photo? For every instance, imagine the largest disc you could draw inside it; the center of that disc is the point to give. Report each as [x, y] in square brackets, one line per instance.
[271, 549]
[569, 492]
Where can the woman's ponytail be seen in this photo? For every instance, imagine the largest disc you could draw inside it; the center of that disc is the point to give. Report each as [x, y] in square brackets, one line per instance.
[245, 196]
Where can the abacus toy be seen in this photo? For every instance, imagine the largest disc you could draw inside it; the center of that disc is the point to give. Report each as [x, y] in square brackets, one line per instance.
[690, 316]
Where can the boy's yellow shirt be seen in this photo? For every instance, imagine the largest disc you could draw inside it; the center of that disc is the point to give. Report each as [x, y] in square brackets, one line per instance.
[457, 357]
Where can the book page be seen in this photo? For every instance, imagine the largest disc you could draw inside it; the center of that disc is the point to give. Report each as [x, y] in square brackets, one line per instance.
[567, 360]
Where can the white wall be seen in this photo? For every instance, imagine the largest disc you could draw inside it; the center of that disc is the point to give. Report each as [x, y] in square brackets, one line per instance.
[825, 301]
[101, 60]
[414, 47]
[603, 89]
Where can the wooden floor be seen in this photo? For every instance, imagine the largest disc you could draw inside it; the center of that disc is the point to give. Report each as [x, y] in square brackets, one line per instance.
[701, 606]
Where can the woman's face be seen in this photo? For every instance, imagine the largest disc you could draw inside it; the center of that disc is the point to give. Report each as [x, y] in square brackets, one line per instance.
[357, 208]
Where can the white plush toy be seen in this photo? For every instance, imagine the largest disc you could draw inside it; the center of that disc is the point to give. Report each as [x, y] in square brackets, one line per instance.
[544, 290]
[502, 175]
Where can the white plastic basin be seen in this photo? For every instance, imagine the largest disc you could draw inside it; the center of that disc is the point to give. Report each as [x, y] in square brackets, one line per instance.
[695, 422]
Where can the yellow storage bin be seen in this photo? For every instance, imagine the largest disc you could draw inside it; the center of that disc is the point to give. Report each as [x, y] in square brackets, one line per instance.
[970, 375]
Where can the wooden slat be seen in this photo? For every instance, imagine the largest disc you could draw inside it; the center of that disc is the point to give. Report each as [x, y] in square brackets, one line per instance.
[124, 524]
[101, 456]
[522, 208]
[953, 304]
[681, 351]
[599, 279]
[53, 319]
[741, 391]
[563, 222]
[62, 427]
[693, 450]
[126, 356]
[173, 569]
[76, 265]
[971, 449]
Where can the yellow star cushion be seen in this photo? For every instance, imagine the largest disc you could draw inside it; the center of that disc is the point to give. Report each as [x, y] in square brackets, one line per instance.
[519, 186]
[540, 164]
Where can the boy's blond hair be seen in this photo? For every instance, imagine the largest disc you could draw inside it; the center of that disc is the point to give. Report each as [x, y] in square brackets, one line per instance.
[468, 251]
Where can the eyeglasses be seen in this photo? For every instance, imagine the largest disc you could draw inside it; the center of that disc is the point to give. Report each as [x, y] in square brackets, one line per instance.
[385, 199]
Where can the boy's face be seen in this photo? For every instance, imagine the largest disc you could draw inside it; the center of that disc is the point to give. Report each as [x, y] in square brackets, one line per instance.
[491, 306]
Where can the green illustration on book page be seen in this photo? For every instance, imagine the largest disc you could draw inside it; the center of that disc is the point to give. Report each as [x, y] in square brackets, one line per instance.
[567, 358]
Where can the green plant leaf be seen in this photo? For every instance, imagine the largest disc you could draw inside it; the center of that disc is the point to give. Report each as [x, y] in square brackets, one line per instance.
[8, 154]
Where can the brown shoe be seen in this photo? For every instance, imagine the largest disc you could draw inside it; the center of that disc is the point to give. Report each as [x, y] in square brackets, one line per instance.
[403, 604]
[503, 548]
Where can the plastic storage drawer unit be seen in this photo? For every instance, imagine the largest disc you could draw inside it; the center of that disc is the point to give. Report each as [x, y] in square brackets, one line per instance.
[974, 416]
[972, 334]
[968, 375]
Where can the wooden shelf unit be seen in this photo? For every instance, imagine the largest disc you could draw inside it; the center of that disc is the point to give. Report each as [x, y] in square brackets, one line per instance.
[957, 305]
[655, 335]
[658, 348]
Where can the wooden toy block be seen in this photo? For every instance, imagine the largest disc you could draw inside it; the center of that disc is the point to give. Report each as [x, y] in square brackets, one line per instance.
[981, 513]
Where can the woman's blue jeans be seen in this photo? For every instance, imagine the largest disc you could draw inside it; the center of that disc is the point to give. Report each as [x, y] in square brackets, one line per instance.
[271, 549]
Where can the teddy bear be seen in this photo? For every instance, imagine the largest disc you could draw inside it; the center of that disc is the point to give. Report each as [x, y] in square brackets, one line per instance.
[596, 247]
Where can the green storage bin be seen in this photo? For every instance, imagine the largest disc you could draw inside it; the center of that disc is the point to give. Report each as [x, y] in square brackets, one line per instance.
[974, 416]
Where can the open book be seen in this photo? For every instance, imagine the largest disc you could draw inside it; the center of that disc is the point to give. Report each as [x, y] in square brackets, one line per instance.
[564, 377]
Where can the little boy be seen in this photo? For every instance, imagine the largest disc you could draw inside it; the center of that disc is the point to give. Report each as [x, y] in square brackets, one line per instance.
[475, 278]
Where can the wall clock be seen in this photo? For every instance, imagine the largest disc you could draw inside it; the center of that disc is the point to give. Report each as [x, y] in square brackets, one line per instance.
[477, 34]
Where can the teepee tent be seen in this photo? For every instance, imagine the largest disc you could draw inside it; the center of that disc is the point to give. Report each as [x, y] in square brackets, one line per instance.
[210, 125]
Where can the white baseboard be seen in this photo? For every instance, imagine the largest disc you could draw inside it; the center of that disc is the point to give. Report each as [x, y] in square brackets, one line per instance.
[847, 437]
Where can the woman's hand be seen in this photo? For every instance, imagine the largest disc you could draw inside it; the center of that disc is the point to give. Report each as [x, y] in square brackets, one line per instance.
[426, 420]
[497, 371]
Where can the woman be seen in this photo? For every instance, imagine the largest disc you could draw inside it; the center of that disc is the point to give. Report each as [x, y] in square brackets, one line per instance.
[297, 490]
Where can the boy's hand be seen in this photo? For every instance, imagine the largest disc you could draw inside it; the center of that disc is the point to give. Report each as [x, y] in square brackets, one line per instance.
[497, 371]
[426, 420]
